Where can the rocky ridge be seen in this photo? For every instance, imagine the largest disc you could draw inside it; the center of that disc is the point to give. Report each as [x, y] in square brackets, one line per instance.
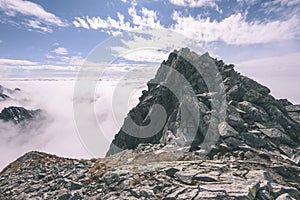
[152, 172]
[255, 156]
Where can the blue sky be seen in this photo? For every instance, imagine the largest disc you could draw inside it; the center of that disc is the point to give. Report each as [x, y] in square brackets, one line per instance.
[55, 36]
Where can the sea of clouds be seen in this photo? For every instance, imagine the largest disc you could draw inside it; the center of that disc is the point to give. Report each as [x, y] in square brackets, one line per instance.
[58, 134]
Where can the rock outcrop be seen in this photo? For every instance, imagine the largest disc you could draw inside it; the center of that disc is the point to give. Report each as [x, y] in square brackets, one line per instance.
[224, 137]
[19, 125]
[19, 115]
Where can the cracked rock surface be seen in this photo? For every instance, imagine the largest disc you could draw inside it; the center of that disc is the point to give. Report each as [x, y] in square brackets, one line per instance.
[151, 172]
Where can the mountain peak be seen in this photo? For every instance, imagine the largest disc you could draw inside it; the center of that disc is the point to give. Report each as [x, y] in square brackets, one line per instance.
[252, 115]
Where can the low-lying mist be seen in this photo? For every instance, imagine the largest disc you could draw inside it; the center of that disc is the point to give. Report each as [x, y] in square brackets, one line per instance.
[57, 134]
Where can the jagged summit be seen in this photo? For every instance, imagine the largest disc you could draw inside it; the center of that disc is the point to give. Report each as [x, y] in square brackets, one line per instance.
[253, 116]
[254, 151]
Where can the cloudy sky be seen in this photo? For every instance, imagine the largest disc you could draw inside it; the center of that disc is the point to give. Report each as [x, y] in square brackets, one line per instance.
[53, 38]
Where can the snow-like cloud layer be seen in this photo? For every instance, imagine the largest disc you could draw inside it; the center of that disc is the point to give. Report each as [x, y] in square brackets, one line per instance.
[61, 51]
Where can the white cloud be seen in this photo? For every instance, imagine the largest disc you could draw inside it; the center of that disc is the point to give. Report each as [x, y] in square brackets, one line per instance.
[72, 63]
[72, 60]
[235, 29]
[78, 22]
[41, 17]
[42, 67]
[109, 23]
[151, 45]
[144, 18]
[148, 18]
[194, 3]
[283, 8]
[147, 55]
[37, 25]
[48, 67]
[12, 62]
[283, 2]
[248, 2]
[61, 51]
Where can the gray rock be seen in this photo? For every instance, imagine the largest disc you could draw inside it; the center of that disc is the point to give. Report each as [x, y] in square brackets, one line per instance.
[184, 177]
[174, 193]
[285, 196]
[293, 108]
[254, 113]
[226, 130]
[277, 135]
[171, 172]
[253, 139]
[281, 189]
[188, 194]
[75, 186]
[294, 112]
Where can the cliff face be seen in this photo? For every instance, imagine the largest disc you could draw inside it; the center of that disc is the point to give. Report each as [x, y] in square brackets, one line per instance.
[221, 136]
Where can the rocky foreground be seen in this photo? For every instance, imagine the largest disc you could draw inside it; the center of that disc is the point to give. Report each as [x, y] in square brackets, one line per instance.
[256, 154]
[153, 172]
